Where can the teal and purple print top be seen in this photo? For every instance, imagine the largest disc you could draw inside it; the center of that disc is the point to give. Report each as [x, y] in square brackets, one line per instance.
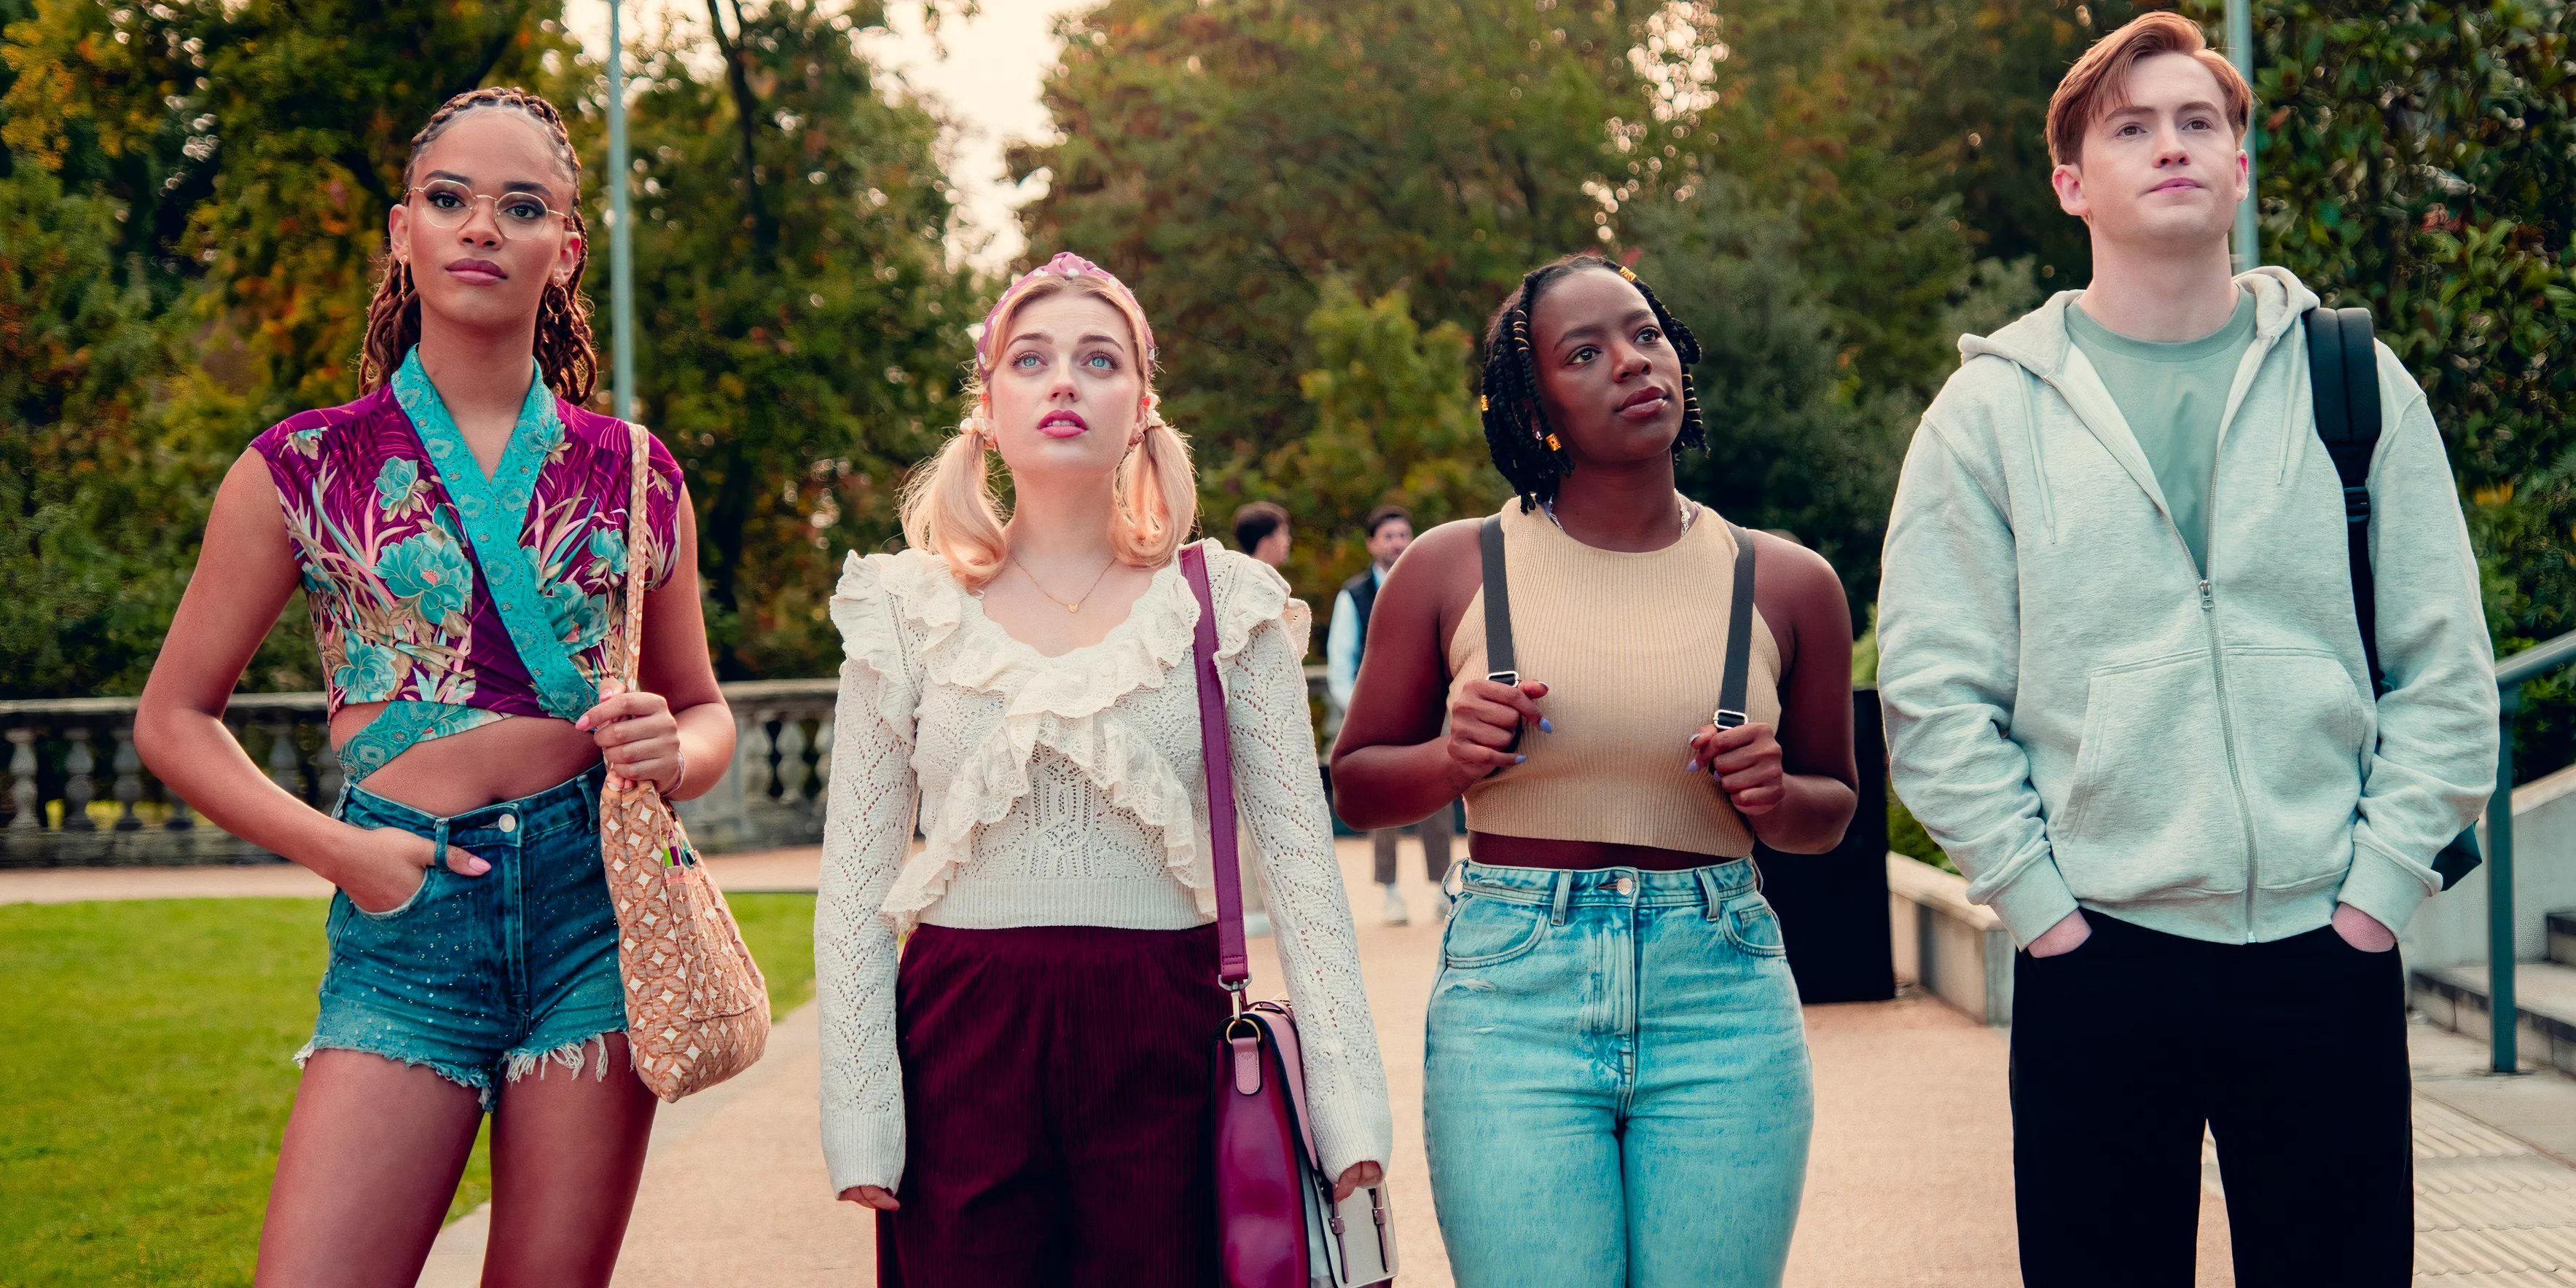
[459, 598]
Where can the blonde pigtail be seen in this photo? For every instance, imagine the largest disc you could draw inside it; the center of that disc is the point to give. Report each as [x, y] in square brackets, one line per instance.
[1158, 496]
[950, 508]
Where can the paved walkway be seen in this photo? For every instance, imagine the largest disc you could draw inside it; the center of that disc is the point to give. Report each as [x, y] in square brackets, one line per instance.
[1909, 1187]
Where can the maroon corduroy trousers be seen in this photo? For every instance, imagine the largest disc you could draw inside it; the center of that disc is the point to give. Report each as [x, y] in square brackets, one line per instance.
[1056, 1115]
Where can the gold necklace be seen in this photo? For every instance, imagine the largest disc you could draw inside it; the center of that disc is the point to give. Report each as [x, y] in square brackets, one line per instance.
[1075, 606]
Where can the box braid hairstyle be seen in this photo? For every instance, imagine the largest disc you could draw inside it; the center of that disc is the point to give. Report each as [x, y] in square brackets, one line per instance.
[1524, 446]
[564, 349]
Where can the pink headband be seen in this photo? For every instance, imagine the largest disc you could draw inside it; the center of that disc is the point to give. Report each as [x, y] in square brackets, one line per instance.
[1066, 265]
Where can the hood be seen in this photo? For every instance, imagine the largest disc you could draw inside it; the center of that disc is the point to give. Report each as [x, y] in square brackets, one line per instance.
[2037, 341]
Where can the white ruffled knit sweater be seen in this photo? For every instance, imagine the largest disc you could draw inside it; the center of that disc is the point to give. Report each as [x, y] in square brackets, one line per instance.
[1069, 791]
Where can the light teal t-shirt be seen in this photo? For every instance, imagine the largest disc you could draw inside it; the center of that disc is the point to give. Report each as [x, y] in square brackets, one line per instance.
[2173, 396]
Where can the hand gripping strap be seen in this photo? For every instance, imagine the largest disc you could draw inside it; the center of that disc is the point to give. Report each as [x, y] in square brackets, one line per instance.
[1739, 635]
[1500, 667]
[1216, 752]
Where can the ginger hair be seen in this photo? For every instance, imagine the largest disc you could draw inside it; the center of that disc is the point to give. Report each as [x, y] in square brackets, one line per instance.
[2098, 83]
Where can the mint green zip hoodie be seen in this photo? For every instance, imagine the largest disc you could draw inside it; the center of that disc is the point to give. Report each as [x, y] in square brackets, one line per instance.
[2081, 720]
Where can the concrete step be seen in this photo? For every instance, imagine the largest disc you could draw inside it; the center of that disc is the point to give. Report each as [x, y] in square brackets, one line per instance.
[2561, 930]
[2455, 997]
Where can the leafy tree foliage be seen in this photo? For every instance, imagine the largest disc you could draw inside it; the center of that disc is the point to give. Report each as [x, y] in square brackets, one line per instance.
[801, 331]
[2420, 158]
[193, 196]
[1980, 105]
[76, 338]
[1230, 158]
[1394, 423]
[1235, 158]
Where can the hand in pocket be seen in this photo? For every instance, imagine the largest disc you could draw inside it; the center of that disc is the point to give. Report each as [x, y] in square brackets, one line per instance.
[389, 866]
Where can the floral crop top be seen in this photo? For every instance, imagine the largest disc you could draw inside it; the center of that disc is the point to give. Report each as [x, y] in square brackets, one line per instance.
[457, 598]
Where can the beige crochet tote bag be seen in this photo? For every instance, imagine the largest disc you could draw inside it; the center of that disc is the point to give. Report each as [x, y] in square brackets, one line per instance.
[697, 1010]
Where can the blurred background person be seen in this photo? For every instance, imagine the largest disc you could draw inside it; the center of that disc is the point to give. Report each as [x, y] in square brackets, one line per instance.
[1261, 531]
[1388, 530]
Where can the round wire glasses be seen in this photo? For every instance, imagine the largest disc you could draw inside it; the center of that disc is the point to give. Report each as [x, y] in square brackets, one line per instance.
[445, 203]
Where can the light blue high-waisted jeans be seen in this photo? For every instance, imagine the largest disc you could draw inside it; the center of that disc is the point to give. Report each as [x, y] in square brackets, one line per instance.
[1615, 1087]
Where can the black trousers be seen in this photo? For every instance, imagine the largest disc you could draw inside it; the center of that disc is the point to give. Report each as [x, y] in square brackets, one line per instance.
[2294, 1054]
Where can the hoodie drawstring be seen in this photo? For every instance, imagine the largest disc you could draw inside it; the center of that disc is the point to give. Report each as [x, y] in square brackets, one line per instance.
[2299, 381]
[2038, 458]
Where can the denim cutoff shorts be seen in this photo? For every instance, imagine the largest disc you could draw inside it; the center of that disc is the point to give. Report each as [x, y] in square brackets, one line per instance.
[482, 979]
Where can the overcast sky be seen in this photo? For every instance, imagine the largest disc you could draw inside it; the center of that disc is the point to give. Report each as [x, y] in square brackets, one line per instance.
[987, 85]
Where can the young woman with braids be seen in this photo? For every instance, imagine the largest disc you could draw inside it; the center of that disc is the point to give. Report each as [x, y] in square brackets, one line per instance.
[1023, 1096]
[1615, 1088]
[460, 533]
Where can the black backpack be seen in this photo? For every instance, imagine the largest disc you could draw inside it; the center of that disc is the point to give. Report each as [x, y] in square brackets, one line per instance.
[2343, 371]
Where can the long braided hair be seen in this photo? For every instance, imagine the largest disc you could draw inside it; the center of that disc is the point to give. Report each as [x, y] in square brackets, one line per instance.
[564, 349]
[1525, 447]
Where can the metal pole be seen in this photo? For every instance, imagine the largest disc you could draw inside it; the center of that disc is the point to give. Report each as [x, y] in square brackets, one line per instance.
[2240, 47]
[621, 235]
[2501, 1011]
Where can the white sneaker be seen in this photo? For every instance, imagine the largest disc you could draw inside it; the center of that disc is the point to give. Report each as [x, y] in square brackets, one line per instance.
[1256, 924]
[1395, 913]
[1440, 904]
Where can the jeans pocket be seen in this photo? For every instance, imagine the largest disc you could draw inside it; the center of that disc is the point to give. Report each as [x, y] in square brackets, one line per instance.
[1485, 931]
[427, 875]
[1751, 925]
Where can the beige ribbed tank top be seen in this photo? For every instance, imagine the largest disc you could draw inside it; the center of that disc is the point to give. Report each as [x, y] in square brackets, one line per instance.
[1632, 648]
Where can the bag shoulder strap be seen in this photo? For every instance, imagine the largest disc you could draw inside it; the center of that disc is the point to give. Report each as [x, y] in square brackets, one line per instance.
[1216, 753]
[1739, 635]
[638, 552]
[2343, 383]
[1500, 667]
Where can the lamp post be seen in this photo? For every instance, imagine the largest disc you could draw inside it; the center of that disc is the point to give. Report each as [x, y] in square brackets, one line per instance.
[2240, 48]
[621, 237]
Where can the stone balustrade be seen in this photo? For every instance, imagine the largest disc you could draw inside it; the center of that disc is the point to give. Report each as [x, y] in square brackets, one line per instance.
[74, 792]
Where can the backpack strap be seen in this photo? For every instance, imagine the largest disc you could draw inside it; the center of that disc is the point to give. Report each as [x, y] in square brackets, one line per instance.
[2343, 382]
[1739, 635]
[1499, 664]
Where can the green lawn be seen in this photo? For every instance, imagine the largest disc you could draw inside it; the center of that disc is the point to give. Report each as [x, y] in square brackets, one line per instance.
[143, 1057]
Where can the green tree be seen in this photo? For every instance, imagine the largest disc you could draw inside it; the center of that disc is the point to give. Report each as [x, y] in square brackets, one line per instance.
[223, 169]
[1394, 423]
[1235, 158]
[1230, 158]
[78, 338]
[2420, 159]
[1981, 107]
[801, 331]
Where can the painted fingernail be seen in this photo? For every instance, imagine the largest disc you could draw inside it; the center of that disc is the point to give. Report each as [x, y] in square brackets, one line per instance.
[1518, 759]
[1544, 726]
[477, 868]
[1691, 768]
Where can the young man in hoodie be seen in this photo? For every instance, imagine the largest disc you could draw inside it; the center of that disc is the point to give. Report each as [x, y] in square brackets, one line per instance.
[2126, 690]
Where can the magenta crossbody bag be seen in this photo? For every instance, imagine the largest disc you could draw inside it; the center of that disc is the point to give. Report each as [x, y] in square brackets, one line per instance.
[1277, 1223]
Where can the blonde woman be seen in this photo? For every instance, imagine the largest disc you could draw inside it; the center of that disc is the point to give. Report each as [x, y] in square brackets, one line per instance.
[1025, 1098]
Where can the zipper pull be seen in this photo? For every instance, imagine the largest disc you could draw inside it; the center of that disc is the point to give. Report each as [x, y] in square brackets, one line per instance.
[2205, 604]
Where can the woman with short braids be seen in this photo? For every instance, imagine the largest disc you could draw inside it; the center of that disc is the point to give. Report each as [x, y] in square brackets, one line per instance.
[461, 536]
[1615, 1087]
